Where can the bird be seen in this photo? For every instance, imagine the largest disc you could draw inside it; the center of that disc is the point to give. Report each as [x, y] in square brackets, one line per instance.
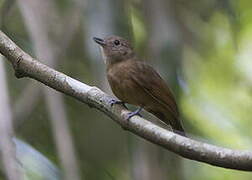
[135, 82]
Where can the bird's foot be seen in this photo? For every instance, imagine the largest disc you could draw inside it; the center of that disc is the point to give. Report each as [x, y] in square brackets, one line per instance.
[114, 101]
[136, 112]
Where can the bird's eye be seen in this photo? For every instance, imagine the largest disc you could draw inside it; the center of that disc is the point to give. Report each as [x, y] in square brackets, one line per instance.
[117, 42]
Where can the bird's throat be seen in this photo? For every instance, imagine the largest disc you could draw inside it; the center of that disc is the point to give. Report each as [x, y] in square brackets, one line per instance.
[104, 57]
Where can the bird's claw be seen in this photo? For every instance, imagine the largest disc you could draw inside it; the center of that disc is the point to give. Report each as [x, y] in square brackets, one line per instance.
[136, 112]
[114, 101]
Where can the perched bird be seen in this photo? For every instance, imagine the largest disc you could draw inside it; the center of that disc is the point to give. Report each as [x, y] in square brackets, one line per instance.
[135, 82]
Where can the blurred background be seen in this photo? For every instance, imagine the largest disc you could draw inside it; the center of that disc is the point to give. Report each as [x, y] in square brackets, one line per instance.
[201, 48]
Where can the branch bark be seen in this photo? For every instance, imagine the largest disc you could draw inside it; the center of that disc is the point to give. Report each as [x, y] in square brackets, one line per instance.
[26, 66]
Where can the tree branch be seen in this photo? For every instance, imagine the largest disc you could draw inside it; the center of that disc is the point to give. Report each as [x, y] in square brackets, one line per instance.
[26, 66]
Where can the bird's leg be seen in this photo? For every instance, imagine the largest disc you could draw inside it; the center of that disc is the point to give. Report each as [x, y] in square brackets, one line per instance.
[114, 101]
[136, 112]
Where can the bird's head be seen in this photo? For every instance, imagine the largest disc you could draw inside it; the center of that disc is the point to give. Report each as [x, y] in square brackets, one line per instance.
[115, 49]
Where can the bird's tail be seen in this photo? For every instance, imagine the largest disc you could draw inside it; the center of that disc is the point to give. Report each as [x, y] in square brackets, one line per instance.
[180, 132]
[174, 122]
[177, 126]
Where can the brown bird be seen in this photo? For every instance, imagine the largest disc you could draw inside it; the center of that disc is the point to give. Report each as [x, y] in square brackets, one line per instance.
[135, 82]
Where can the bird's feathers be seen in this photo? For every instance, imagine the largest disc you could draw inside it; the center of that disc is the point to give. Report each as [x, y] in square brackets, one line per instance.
[141, 85]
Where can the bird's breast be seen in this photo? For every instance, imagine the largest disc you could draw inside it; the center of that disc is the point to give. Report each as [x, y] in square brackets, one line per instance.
[122, 85]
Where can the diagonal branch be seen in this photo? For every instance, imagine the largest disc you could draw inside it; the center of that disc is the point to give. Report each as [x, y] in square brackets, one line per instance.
[26, 66]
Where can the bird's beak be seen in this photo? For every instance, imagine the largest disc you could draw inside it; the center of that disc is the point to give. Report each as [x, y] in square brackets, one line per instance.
[99, 41]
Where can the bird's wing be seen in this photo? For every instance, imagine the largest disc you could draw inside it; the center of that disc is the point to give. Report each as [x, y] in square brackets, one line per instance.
[151, 82]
